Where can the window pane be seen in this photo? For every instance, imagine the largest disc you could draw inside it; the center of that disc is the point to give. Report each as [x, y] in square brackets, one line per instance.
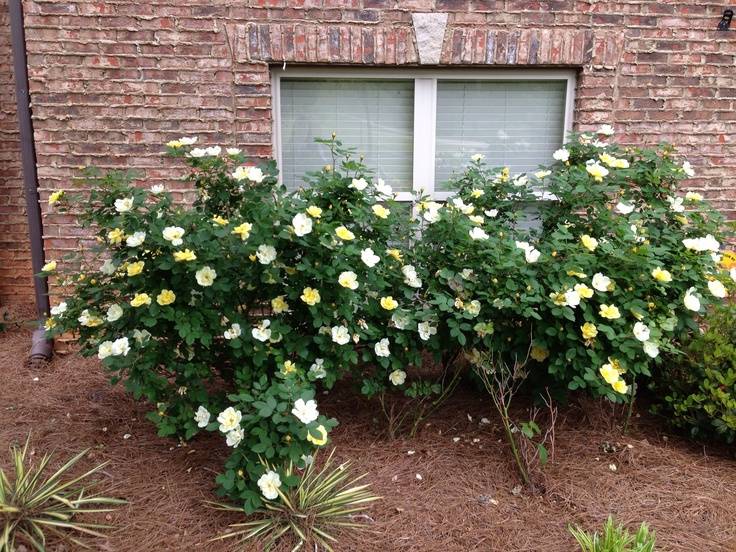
[515, 124]
[376, 117]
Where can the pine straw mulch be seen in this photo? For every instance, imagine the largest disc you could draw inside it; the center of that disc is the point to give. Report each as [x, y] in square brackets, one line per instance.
[464, 500]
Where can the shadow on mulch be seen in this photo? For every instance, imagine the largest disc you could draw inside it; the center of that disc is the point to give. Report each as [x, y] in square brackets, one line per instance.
[439, 494]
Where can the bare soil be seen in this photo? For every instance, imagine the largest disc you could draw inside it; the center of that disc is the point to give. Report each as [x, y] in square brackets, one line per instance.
[439, 494]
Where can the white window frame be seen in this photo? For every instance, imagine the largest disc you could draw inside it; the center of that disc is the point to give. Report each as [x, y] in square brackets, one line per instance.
[425, 107]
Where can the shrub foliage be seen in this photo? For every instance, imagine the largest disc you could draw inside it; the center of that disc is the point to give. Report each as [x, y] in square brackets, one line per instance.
[230, 315]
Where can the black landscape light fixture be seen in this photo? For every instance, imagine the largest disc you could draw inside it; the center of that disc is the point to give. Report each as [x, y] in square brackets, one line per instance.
[725, 22]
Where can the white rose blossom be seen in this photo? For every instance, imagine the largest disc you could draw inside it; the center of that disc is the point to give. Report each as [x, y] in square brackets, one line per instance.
[426, 330]
[478, 234]
[358, 184]
[262, 332]
[120, 347]
[202, 417]
[651, 349]
[306, 412]
[173, 234]
[318, 369]
[340, 335]
[641, 331]
[233, 438]
[382, 348]
[269, 483]
[691, 301]
[124, 204]
[59, 309]
[561, 155]
[136, 239]
[717, 289]
[624, 208]
[397, 377]
[687, 168]
[707, 243]
[254, 174]
[114, 312]
[302, 224]
[266, 254]
[233, 332]
[205, 276]
[601, 282]
[104, 350]
[369, 258]
[229, 419]
[348, 279]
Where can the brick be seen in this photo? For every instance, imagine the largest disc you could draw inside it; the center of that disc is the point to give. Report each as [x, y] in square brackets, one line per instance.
[112, 81]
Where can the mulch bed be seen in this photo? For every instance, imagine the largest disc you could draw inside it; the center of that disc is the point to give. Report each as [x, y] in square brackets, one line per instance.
[464, 500]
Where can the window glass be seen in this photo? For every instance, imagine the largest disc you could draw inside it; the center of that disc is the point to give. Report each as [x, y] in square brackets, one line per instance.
[376, 117]
[518, 124]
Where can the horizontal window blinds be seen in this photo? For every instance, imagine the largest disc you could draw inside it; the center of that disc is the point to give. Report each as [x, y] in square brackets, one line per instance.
[376, 117]
[516, 124]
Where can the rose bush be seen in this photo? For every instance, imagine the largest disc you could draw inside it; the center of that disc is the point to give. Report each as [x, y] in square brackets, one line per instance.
[229, 315]
[594, 261]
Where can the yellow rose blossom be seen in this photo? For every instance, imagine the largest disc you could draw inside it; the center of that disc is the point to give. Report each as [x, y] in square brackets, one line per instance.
[389, 303]
[314, 211]
[50, 324]
[589, 330]
[141, 299]
[166, 297]
[134, 269]
[322, 439]
[56, 196]
[186, 255]
[607, 158]
[620, 386]
[289, 367]
[459, 303]
[596, 171]
[476, 193]
[610, 311]
[380, 211]
[252, 257]
[661, 275]
[49, 266]
[539, 353]
[279, 305]
[728, 260]
[174, 144]
[243, 230]
[115, 236]
[505, 173]
[588, 242]
[584, 291]
[344, 234]
[609, 373]
[395, 253]
[220, 220]
[310, 296]
[576, 273]
[558, 298]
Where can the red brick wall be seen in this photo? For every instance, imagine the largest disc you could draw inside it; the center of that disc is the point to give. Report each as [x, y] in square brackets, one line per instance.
[16, 281]
[112, 81]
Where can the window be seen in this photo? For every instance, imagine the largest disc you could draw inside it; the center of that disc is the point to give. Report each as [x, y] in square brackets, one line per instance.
[417, 128]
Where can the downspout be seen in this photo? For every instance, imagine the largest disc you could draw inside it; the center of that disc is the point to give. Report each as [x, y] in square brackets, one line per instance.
[41, 348]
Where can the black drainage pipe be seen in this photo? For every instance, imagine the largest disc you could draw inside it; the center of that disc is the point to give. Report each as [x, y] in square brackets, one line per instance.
[41, 348]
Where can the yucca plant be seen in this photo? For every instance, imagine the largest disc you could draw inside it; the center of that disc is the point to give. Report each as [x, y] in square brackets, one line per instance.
[615, 538]
[35, 507]
[324, 499]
